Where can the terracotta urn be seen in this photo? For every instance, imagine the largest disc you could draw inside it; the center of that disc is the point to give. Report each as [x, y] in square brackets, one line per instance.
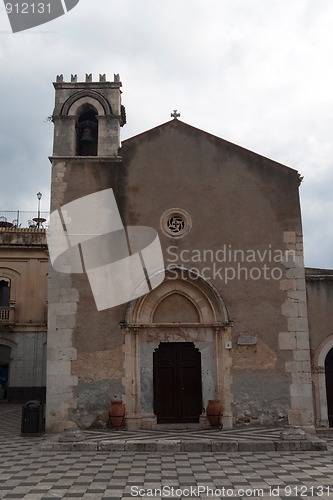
[214, 412]
[117, 414]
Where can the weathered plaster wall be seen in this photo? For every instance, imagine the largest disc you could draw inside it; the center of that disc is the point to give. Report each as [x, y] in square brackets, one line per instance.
[99, 374]
[85, 344]
[261, 397]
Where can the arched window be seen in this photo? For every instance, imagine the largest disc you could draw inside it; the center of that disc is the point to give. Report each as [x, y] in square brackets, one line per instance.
[4, 299]
[87, 132]
[4, 292]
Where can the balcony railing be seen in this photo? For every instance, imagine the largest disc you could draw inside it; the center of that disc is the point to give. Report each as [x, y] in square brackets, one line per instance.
[4, 314]
[23, 219]
[7, 314]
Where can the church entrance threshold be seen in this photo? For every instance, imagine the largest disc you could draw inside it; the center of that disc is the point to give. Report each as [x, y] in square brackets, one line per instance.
[177, 383]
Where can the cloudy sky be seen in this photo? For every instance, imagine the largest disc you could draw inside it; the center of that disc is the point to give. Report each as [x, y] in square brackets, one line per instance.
[258, 73]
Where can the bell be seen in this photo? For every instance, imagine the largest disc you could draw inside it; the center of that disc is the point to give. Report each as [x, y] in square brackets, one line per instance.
[86, 135]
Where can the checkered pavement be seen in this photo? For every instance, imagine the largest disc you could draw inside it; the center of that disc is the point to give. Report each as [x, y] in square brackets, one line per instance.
[27, 472]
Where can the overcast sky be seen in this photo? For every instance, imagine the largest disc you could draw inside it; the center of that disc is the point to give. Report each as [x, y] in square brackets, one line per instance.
[258, 73]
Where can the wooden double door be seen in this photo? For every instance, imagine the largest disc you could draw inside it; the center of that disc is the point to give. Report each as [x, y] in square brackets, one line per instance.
[177, 382]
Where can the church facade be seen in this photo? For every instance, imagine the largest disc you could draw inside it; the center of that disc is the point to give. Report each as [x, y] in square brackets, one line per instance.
[223, 313]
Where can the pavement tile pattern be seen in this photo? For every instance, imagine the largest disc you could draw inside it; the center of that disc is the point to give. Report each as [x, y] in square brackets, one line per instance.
[28, 472]
[257, 434]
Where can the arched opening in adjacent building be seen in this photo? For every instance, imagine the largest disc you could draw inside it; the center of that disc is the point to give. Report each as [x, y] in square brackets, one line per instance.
[329, 385]
[87, 131]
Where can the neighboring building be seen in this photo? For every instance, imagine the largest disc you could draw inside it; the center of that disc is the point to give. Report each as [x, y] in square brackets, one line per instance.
[319, 288]
[230, 319]
[23, 313]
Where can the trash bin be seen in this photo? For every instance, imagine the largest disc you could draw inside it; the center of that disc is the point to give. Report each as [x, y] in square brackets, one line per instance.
[32, 419]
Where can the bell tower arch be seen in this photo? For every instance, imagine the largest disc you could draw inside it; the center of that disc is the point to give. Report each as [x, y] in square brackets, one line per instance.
[87, 131]
[87, 117]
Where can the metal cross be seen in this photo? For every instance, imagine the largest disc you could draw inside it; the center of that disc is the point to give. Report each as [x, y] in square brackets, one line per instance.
[175, 115]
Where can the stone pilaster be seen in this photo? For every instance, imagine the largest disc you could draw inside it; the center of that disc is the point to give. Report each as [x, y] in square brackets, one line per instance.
[296, 337]
[60, 353]
[62, 306]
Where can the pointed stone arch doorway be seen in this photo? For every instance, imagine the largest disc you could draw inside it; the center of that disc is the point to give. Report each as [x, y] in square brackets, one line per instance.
[184, 309]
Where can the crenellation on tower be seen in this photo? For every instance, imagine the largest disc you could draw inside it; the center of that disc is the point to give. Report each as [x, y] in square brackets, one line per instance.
[89, 78]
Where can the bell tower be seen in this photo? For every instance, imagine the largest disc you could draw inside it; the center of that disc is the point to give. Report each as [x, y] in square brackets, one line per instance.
[87, 117]
[87, 120]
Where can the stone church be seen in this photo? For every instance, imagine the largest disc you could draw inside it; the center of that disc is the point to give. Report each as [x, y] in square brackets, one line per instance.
[226, 310]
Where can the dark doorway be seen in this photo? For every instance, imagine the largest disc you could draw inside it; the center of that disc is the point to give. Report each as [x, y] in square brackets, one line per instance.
[177, 382]
[4, 371]
[3, 382]
[329, 385]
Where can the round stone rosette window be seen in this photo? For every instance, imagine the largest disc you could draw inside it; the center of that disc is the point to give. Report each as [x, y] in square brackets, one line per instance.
[176, 222]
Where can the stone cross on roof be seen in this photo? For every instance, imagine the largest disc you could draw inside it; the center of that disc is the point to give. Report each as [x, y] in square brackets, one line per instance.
[175, 115]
